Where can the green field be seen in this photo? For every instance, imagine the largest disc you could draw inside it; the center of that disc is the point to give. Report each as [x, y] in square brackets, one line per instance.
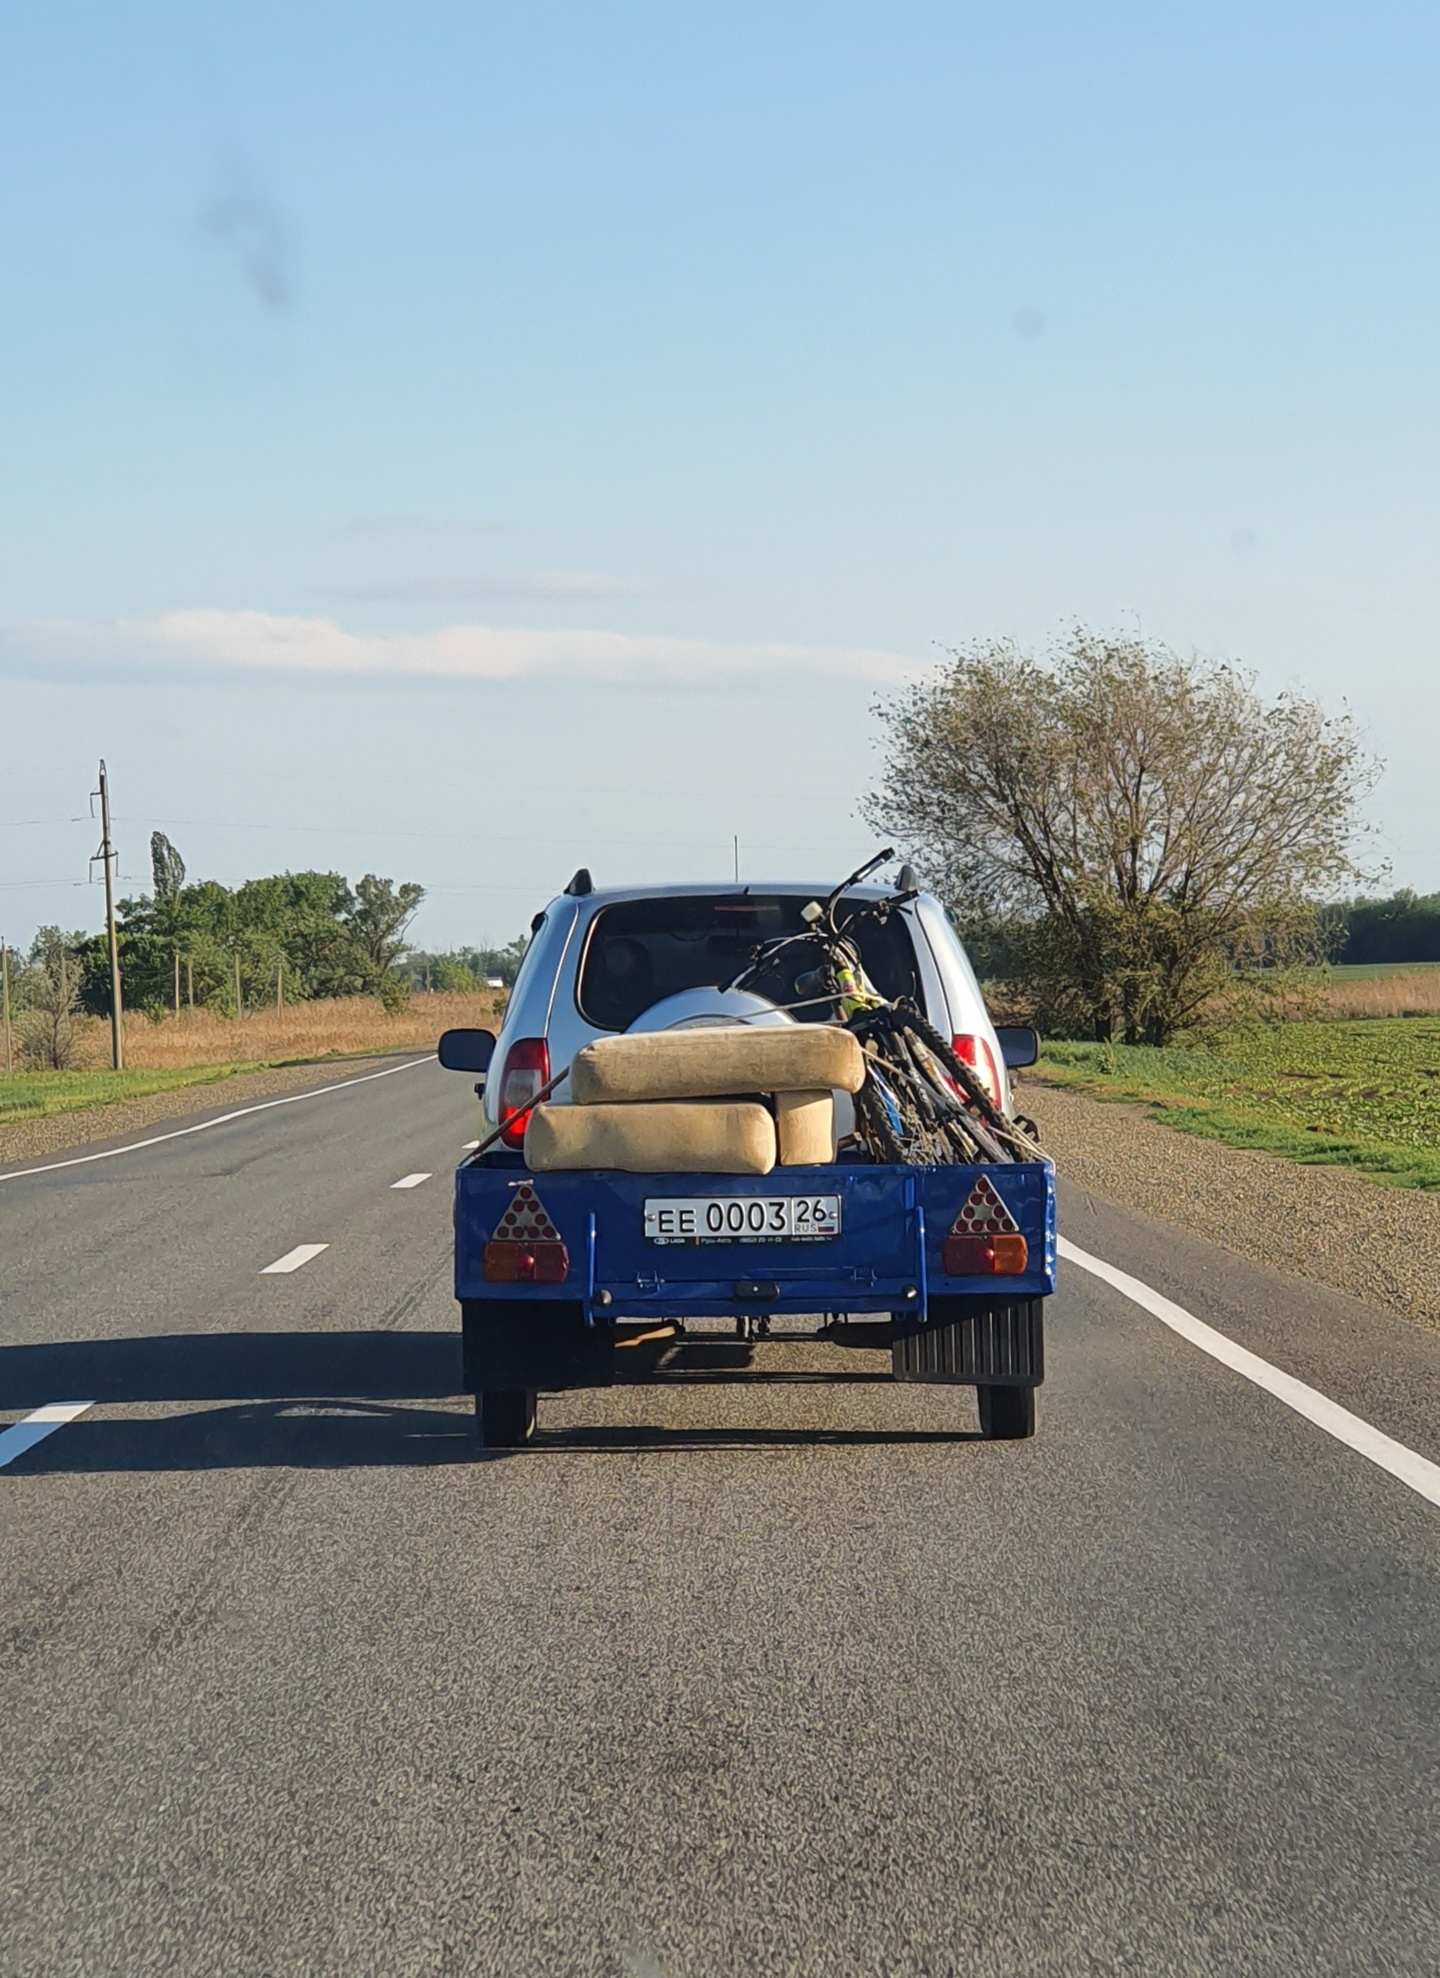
[1363, 1095]
[1375, 971]
[30, 1095]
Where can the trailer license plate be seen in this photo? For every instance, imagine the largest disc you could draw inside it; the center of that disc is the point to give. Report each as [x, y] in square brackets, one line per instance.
[742, 1218]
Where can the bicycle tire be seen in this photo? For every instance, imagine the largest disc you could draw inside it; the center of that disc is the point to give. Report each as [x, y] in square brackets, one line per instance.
[1019, 1145]
[923, 1129]
[971, 1137]
[873, 1117]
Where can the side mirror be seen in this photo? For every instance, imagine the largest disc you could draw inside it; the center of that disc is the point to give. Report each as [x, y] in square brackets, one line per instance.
[466, 1050]
[1019, 1045]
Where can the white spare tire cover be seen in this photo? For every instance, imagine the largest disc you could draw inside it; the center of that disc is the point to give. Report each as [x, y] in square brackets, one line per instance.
[693, 1009]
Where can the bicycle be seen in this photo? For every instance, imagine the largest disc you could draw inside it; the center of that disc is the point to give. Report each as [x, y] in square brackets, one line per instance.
[920, 1104]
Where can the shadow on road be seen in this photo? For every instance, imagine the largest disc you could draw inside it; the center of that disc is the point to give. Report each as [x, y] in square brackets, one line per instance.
[349, 1435]
[326, 1400]
[299, 1435]
[233, 1366]
[310, 1400]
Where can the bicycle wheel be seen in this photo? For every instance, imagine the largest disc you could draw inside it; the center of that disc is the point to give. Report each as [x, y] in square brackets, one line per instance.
[1011, 1142]
[919, 1124]
[881, 1121]
[970, 1135]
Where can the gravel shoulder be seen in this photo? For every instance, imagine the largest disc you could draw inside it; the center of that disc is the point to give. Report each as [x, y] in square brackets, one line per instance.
[31, 1140]
[1379, 1245]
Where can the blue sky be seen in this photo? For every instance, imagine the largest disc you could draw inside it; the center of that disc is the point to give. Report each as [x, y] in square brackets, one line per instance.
[465, 442]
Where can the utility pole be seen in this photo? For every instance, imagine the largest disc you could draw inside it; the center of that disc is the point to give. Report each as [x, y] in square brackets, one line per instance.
[737, 858]
[239, 1003]
[106, 855]
[5, 999]
[280, 986]
[177, 980]
[190, 983]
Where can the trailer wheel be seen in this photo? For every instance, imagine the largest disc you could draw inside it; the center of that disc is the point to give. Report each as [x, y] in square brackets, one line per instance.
[505, 1417]
[1007, 1414]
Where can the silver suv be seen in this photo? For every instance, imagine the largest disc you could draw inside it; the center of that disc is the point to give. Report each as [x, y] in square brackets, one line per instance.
[651, 957]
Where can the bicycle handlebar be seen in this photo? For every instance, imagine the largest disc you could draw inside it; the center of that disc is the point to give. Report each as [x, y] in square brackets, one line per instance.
[870, 865]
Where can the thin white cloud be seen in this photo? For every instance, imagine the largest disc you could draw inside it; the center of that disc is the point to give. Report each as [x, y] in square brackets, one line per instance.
[263, 643]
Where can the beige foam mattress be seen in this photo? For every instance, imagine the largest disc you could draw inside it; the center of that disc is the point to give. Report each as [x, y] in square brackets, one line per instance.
[716, 1061]
[690, 1137]
[805, 1128]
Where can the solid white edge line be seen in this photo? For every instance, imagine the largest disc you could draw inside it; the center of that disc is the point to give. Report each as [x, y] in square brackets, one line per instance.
[203, 1126]
[1418, 1472]
[303, 1253]
[413, 1180]
[24, 1434]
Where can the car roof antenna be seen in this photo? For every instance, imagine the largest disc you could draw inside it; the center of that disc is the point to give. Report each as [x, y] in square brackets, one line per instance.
[905, 880]
[581, 884]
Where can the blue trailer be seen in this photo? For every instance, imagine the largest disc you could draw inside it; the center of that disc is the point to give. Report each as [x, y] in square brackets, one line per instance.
[591, 1279]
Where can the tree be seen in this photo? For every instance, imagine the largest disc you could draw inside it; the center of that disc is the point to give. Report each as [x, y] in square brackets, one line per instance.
[1404, 928]
[329, 940]
[49, 992]
[166, 866]
[377, 918]
[1130, 824]
[453, 975]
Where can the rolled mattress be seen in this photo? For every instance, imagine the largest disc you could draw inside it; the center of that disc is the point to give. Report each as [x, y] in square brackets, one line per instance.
[688, 1137]
[716, 1061]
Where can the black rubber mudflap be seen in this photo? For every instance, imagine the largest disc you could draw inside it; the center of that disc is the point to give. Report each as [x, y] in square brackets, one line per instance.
[533, 1342]
[970, 1341]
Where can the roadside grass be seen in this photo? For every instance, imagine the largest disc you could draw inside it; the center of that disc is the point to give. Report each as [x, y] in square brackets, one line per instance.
[201, 1048]
[32, 1095]
[1362, 1095]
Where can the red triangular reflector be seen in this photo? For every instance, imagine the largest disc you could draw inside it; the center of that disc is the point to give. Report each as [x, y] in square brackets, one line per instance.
[983, 1213]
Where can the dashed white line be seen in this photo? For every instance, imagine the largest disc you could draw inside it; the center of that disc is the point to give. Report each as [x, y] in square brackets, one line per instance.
[293, 1259]
[410, 1180]
[468, 1146]
[204, 1125]
[1418, 1472]
[34, 1428]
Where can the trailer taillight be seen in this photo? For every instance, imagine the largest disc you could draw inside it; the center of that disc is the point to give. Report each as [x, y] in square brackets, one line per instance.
[527, 1072]
[976, 1052]
[984, 1256]
[525, 1263]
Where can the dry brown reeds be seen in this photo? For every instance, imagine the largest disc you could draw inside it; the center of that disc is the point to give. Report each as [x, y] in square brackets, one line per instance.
[340, 1027]
[1407, 992]
[1300, 996]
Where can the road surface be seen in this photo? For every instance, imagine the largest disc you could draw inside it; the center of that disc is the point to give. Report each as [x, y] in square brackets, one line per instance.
[732, 1680]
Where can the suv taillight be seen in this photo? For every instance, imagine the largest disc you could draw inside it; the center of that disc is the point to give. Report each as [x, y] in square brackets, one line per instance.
[527, 1071]
[976, 1052]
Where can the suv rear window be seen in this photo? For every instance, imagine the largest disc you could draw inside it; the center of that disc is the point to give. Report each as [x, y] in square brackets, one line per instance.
[640, 951]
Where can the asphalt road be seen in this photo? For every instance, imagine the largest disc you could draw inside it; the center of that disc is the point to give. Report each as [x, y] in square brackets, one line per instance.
[712, 1680]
